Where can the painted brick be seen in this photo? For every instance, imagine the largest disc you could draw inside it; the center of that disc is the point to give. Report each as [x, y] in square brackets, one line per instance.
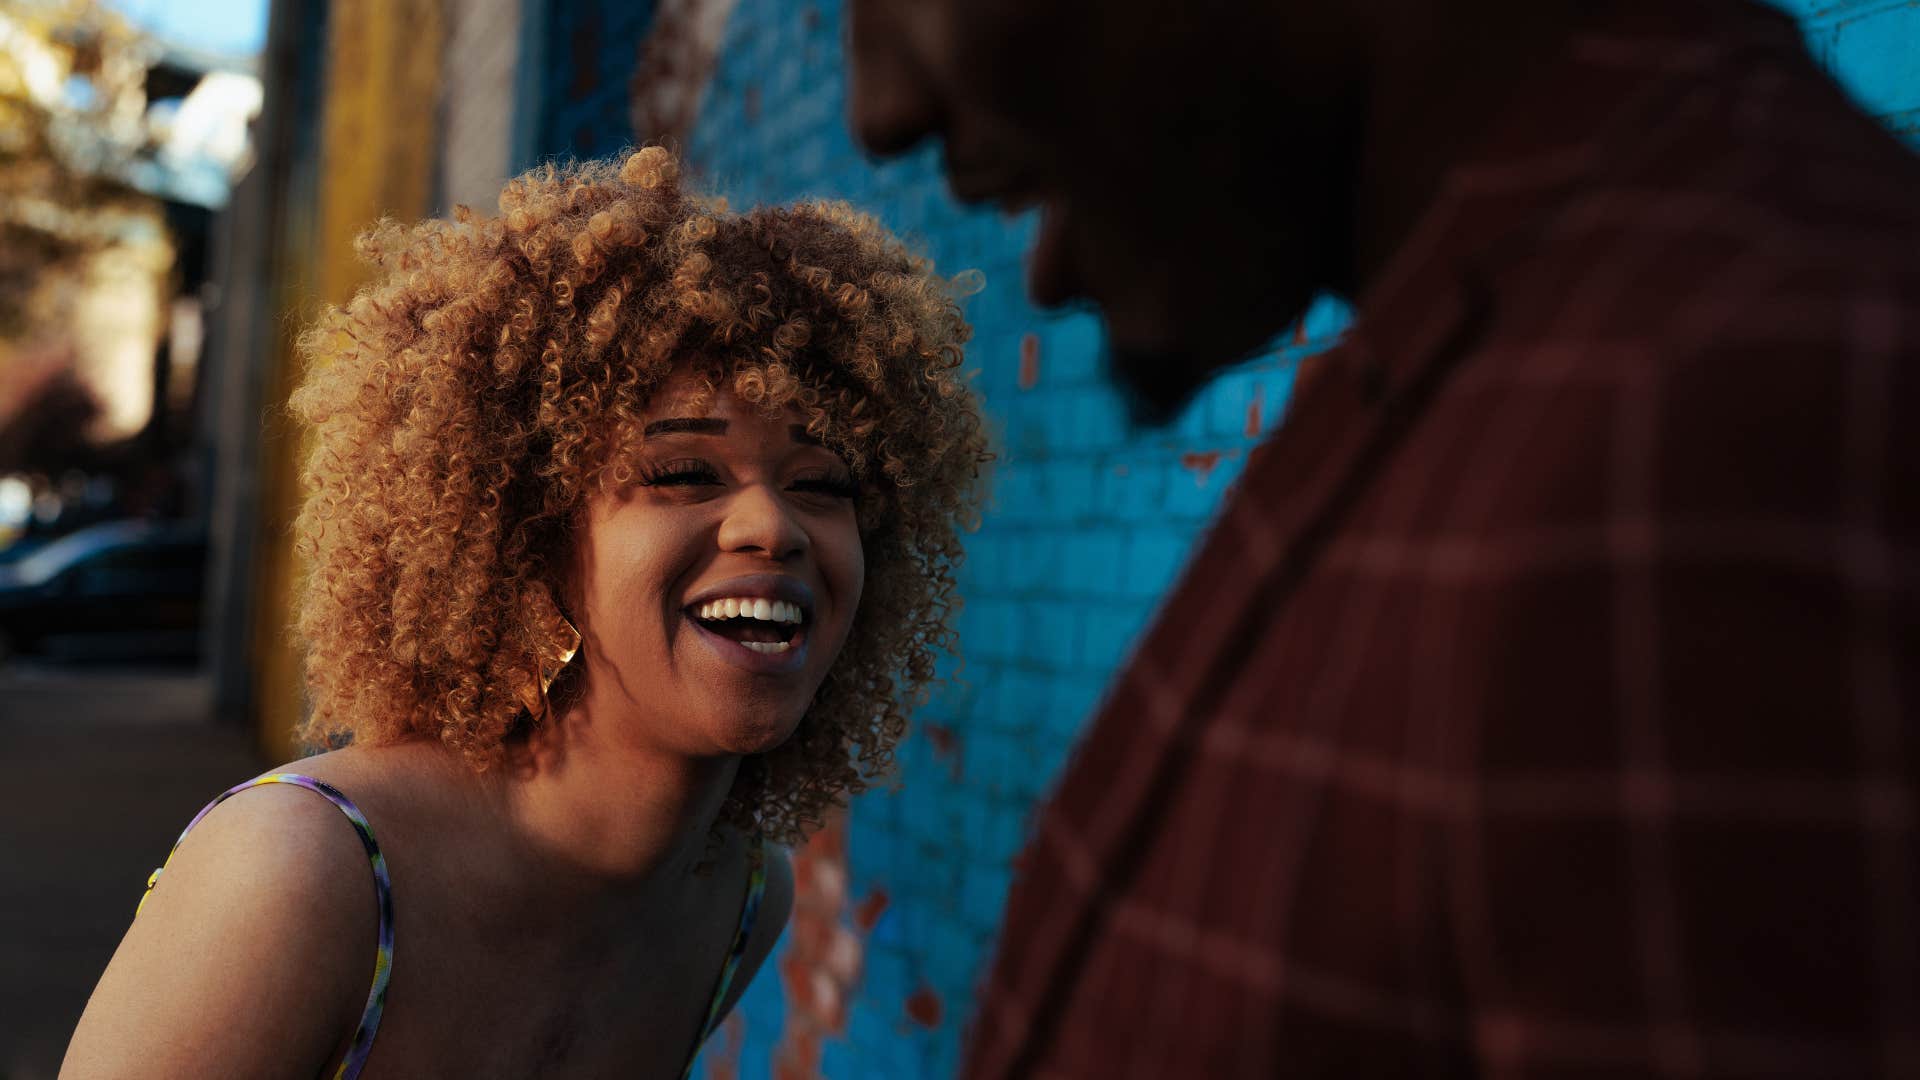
[1075, 347]
[1050, 636]
[1906, 125]
[1327, 317]
[1193, 491]
[1088, 567]
[984, 893]
[1094, 420]
[1190, 426]
[886, 968]
[1073, 702]
[1107, 633]
[1131, 489]
[1068, 487]
[1876, 55]
[1154, 556]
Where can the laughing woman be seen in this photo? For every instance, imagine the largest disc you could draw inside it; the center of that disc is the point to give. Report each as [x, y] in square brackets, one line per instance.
[632, 525]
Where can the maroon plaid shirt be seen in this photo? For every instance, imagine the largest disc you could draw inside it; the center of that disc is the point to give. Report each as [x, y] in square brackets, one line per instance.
[1542, 705]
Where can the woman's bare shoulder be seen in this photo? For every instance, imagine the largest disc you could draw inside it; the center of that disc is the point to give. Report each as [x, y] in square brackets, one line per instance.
[251, 954]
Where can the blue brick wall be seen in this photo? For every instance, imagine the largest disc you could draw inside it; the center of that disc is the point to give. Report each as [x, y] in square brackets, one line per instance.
[1089, 523]
[1873, 48]
[575, 95]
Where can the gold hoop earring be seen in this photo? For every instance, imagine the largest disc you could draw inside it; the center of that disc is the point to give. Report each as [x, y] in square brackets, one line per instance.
[551, 665]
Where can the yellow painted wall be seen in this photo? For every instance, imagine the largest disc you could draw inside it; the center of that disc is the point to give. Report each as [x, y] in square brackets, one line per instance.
[379, 141]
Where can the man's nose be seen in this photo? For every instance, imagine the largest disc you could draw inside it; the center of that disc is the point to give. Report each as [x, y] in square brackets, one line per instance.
[758, 522]
[890, 105]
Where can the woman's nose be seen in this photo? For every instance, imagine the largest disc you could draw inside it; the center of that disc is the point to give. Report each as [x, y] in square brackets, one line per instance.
[758, 523]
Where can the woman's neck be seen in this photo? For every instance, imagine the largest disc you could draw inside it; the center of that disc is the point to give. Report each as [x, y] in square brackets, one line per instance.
[608, 813]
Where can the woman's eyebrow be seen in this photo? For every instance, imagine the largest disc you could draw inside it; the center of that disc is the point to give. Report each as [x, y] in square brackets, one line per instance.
[686, 425]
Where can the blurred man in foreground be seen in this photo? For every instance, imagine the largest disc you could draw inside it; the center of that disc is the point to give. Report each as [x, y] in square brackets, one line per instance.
[1542, 703]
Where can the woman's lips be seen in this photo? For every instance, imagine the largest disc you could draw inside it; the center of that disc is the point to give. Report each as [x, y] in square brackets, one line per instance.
[752, 660]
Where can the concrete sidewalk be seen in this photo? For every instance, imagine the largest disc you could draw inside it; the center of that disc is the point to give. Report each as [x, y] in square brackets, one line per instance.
[99, 771]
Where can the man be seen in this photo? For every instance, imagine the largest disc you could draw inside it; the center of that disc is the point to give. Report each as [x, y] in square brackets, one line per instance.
[1542, 703]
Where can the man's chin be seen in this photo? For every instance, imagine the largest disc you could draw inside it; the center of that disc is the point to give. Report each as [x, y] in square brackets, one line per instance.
[1158, 382]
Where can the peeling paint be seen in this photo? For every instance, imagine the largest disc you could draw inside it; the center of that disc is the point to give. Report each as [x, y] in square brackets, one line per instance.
[924, 1007]
[1029, 361]
[943, 738]
[1201, 464]
[723, 1059]
[866, 915]
[946, 747]
[798, 1059]
[823, 959]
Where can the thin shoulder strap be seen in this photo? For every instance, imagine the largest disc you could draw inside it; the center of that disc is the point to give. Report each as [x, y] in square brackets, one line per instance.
[749, 911]
[362, 1045]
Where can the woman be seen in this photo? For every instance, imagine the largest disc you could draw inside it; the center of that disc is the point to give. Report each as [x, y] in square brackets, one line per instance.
[632, 525]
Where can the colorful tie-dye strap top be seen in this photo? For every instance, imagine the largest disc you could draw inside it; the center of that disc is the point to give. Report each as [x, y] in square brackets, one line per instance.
[362, 1045]
[749, 911]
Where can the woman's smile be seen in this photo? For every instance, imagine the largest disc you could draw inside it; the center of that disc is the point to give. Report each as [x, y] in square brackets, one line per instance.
[757, 622]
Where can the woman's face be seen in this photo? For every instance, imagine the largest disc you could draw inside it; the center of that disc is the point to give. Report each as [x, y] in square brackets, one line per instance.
[714, 591]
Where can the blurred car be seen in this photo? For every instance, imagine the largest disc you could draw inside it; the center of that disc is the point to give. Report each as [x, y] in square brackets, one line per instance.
[121, 590]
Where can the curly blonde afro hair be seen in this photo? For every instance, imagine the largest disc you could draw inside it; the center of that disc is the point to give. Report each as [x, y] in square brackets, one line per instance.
[465, 404]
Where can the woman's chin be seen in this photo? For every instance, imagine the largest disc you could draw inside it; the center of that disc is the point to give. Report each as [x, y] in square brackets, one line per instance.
[747, 735]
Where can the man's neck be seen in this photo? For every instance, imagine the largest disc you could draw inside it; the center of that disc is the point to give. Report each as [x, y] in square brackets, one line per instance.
[1441, 74]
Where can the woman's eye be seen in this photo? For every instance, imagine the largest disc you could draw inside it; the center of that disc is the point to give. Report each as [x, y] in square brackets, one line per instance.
[839, 485]
[679, 474]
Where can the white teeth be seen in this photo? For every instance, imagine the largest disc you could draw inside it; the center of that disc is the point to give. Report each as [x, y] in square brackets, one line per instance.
[768, 646]
[781, 611]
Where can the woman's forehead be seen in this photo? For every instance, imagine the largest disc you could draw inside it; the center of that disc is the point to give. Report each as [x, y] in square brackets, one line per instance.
[690, 403]
[695, 393]
[686, 392]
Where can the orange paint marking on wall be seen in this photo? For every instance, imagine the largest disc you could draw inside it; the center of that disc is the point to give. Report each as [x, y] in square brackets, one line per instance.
[723, 1063]
[1201, 464]
[946, 747]
[822, 963]
[924, 1007]
[1029, 361]
[866, 915]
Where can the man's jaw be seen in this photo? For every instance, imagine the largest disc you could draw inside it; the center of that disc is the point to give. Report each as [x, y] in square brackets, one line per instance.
[1053, 274]
[1156, 385]
[1159, 376]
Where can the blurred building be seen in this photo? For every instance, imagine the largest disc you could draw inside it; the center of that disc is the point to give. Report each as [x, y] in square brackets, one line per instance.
[407, 107]
[118, 151]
